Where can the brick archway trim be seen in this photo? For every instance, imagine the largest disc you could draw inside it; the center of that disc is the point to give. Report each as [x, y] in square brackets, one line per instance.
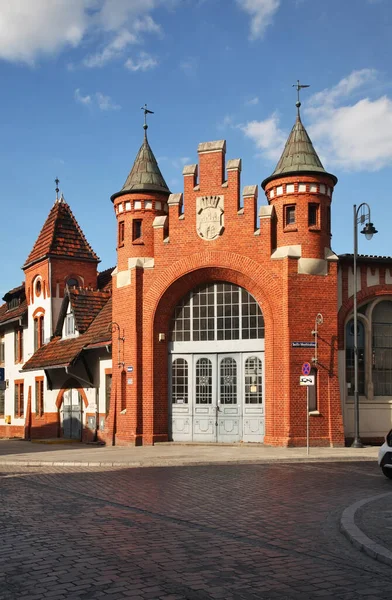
[70, 384]
[159, 303]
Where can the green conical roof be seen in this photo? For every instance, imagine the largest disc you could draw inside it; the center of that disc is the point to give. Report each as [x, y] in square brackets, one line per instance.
[145, 175]
[299, 156]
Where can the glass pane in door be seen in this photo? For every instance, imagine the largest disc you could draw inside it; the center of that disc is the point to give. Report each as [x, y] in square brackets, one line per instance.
[228, 381]
[203, 381]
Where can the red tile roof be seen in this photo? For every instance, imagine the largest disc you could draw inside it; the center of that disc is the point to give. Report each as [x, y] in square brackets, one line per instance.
[61, 236]
[63, 352]
[86, 304]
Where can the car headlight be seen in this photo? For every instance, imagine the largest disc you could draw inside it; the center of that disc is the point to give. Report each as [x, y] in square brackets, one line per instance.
[388, 438]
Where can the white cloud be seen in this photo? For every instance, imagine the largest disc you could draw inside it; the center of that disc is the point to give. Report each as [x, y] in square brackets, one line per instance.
[252, 101]
[261, 13]
[144, 62]
[349, 129]
[82, 99]
[105, 102]
[266, 135]
[98, 99]
[30, 29]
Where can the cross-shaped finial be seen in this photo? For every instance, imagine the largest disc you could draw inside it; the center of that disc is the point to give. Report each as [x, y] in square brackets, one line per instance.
[299, 87]
[146, 112]
[57, 181]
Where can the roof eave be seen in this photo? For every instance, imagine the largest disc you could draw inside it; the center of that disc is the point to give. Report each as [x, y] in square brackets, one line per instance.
[295, 173]
[146, 190]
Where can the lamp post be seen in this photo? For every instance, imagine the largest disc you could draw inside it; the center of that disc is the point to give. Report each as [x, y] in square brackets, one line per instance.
[361, 216]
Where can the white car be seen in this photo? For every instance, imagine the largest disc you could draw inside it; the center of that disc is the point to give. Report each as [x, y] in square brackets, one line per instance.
[385, 456]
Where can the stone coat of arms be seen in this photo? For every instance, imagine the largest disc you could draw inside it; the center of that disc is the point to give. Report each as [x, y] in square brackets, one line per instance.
[209, 217]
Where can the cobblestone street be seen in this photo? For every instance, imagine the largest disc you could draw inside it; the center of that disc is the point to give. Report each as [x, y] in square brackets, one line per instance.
[201, 532]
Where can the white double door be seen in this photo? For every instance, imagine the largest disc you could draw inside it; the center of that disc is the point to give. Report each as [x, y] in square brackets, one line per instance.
[216, 397]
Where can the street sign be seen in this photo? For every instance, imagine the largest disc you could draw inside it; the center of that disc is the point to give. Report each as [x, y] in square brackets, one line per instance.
[2, 373]
[129, 369]
[306, 380]
[306, 368]
[303, 344]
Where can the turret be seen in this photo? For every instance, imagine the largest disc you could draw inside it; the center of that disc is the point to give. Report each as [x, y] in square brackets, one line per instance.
[301, 192]
[143, 197]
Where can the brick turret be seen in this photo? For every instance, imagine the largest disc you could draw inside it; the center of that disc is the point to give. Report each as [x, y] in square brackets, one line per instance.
[300, 190]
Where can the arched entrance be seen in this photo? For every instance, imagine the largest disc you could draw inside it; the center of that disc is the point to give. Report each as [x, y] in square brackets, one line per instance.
[216, 358]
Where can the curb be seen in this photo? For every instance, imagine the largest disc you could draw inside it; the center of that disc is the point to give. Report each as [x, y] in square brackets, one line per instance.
[172, 462]
[358, 538]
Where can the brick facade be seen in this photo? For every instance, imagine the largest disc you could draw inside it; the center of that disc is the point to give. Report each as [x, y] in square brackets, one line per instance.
[290, 290]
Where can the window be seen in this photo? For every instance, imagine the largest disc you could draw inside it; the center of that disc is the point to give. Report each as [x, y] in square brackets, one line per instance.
[289, 215]
[18, 345]
[72, 282]
[38, 332]
[2, 404]
[313, 215]
[2, 350]
[38, 287]
[382, 349]
[19, 399]
[179, 381]
[69, 325]
[108, 391]
[13, 303]
[217, 311]
[39, 396]
[253, 381]
[350, 357]
[228, 381]
[312, 391]
[121, 233]
[136, 229]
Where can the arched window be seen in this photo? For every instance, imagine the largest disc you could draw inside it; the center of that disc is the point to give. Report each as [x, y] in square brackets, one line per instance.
[217, 311]
[382, 348]
[72, 282]
[350, 357]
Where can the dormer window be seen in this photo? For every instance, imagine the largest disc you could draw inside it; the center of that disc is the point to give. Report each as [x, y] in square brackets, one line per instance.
[69, 325]
[13, 303]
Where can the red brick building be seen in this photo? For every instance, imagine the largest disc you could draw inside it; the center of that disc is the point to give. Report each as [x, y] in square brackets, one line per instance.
[200, 332]
[216, 302]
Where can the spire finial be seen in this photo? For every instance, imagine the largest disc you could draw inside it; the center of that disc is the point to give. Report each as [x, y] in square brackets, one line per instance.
[299, 87]
[146, 112]
[57, 181]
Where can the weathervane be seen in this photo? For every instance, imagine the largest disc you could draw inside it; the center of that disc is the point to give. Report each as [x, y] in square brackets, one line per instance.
[146, 112]
[57, 181]
[299, 87]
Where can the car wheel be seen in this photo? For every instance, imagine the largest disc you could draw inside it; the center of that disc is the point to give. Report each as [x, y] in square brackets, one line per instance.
[387, 472]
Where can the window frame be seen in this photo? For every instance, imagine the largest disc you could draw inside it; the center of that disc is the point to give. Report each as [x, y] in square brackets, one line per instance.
[19, 398]
[121, 233]
[314, 211]
[137, 230]
[39, 396]
[290, 215]
[18, 345]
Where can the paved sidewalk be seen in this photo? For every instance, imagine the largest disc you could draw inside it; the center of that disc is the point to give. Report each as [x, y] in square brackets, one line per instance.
[23, 453]
[368, 525]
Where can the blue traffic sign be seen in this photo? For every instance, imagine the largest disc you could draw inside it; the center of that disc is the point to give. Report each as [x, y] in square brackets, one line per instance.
[306, 368]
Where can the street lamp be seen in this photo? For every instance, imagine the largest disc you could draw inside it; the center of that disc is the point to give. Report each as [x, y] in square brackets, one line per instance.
[361, 216]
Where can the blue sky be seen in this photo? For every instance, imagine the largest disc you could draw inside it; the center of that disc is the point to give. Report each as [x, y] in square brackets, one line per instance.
[75, 73]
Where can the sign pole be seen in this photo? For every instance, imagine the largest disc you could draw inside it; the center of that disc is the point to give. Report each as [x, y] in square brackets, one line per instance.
[307, 420]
